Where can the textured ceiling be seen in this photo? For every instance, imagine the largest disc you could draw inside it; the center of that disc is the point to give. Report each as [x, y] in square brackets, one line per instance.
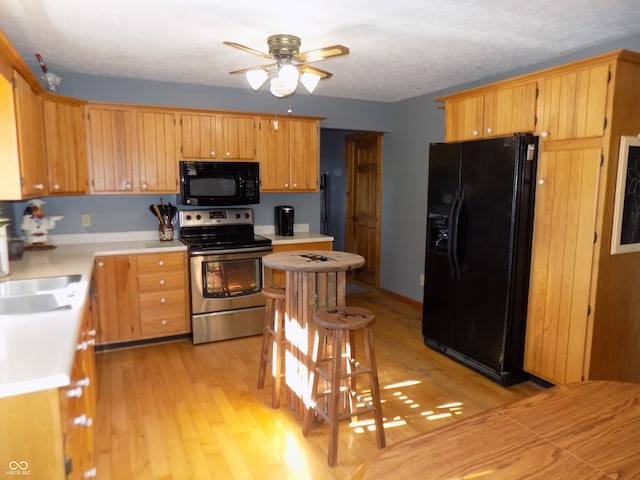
[399, 48]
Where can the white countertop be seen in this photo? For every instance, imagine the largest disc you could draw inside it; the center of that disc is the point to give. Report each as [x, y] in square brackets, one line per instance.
[37, 350]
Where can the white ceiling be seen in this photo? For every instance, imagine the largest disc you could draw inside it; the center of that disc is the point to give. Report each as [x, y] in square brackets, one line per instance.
[399, 48]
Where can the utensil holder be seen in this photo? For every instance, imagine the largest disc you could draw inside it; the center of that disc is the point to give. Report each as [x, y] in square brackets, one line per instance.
[165, 232]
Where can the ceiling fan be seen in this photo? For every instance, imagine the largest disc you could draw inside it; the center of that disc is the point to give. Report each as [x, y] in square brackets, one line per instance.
[290, 64]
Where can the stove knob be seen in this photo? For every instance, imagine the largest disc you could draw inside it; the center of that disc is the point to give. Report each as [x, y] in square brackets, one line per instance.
[198, 217]
[246, 215]
[237, 215]
[188, 217]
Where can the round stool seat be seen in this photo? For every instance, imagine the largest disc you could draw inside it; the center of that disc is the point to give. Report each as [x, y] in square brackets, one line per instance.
[344, 318]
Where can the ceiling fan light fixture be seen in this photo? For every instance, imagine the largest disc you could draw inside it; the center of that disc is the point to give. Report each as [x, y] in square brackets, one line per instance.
[309, 81]
[279, 89]
[256, 78]
[288, 74]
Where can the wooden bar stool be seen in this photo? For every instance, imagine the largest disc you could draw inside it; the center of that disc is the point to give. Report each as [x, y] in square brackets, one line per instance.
[339, 368]
[273, 333]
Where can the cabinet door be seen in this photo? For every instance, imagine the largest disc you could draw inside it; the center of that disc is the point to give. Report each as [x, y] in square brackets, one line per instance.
[117, 293]
[238, 138]
[158, 153]
[29, 123]
[200, 136]
[65, 141]
[463, 119]
[110, 150]
[572, 105]
[510, 110]
[564, 225]
[305, 155]
[274, 155]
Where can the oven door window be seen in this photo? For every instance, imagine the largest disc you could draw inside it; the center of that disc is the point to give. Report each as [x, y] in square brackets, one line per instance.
[231, 278]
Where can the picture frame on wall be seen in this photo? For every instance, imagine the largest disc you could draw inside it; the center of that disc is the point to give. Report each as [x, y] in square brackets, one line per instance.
[626, 214]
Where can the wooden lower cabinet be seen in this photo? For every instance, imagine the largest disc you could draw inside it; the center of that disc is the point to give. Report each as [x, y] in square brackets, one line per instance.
[142, 296]
[277, 277]
[51, 434]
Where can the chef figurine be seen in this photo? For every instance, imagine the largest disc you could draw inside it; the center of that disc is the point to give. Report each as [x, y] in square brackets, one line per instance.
[36, 225]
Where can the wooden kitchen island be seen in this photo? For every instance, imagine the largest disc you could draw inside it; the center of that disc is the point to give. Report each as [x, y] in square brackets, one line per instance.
[314, 279]
[581, 431]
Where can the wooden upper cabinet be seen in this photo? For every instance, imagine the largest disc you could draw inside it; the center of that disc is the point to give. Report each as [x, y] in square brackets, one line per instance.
[111, 150]
[238, 138]
[158, 152]
[199, 136]
[275, 148]
[495, 113]
[65, 141]
[30, 130]
[305, 155]
[289, 154]
[218, 136]
[572, 105]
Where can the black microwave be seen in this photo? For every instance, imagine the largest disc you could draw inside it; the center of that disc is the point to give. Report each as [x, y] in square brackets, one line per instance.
[219, 183]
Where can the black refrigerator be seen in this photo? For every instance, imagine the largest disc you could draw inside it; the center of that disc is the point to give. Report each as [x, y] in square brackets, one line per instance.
[479, 229]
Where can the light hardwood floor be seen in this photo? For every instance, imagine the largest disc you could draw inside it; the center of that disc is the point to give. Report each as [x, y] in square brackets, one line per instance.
[183, 411]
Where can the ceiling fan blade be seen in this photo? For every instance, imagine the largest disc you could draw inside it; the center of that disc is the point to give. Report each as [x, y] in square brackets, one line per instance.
[321, 73]
[248, 49]
[322, 53]
[257, 67]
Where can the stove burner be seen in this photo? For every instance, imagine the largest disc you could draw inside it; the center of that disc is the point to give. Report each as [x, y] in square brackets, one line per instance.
[219, 229]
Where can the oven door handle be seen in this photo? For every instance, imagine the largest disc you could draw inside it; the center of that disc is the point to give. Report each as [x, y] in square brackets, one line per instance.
[211, 253]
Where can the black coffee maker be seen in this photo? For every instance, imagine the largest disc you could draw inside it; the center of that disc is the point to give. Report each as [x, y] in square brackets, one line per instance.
[283, 219]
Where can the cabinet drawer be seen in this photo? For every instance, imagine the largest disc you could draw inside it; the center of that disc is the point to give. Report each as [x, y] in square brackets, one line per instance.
[171, 321]
[161, 281]
[161, 300]
[161, 261]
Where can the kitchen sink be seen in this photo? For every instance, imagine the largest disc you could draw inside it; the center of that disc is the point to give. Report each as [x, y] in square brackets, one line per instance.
[38, 295]
[36, 303]
[32, 286]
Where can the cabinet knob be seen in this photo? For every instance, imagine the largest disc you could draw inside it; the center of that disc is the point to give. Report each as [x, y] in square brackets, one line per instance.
[295, 185]
[91, 473]
[56, 186]
[83, 382]
[542, 181]
[163, 322]
[163, 300]
[161, 263]
[544, 134]
[92, 332]
[101, 264]
[227, 154]
[82, 346]
[127, 186]
[74, 392]
[39, 186]
[162, 282]
[143, 186]
[83, 420]
[489, 130]
[286, 185]
[475, 133]
[212, 153]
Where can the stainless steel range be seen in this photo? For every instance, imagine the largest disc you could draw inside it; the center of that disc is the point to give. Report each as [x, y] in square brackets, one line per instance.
[226, 272]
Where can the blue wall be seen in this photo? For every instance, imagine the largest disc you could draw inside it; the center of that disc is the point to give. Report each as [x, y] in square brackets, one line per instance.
[409, 126]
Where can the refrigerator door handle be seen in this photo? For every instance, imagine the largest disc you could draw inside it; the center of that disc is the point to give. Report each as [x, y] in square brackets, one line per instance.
[452, 235]
[455, 225]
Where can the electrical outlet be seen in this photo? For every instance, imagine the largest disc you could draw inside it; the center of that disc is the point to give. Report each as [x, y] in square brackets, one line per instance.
[422, 280]
[86, 220]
